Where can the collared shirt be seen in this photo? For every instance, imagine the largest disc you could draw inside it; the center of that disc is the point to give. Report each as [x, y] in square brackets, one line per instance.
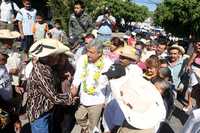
[6, 11]
[41, 92]
[177, 71]
[102, 90]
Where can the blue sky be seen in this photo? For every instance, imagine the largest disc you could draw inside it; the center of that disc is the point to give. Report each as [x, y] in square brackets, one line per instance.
[149, 3]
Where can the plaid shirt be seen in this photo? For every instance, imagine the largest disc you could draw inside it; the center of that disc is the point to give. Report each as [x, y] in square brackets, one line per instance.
[41, 92]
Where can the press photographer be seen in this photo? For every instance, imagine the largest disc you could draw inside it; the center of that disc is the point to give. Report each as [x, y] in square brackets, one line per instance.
[105, 24]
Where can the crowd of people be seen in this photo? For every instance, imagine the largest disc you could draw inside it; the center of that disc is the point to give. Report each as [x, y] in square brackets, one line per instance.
[101, 82]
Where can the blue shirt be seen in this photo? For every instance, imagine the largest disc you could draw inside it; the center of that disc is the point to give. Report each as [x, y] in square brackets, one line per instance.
[177, 71]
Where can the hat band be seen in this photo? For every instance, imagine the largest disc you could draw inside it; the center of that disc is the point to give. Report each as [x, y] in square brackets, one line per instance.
[40, 47]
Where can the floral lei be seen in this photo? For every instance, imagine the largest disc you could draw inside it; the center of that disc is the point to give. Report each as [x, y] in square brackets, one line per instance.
[91, 90]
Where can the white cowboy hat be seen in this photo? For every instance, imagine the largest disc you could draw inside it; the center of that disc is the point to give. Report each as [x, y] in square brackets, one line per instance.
[139, 100]
[178, 47]
[46, 47]
[130, 52]
[7, 34]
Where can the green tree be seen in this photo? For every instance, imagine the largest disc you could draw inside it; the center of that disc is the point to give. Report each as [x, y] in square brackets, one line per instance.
[120, 9]
[180, 17]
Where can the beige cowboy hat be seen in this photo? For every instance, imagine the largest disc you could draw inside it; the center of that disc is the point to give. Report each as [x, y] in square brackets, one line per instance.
[130, 52]
[139, 100]
[46, 47]
[7, 34]
[178, 47]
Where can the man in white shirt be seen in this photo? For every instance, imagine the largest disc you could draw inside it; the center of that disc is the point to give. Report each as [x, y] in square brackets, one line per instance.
[7, 16]
[26, 18]
[93, 85]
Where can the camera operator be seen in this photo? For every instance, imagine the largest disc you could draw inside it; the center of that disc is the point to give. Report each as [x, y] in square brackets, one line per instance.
[105, 24]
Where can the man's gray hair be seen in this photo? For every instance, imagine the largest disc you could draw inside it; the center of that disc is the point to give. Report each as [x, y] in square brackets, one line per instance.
[96, 44]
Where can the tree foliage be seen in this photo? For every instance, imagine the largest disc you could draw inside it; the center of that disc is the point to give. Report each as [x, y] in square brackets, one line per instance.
[180, 17]
[120, 9]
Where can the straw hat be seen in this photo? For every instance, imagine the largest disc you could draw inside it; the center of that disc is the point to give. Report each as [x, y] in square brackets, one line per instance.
[178, 47]
[139, 100]
[130, 52]
[46, 47]
[7, 34]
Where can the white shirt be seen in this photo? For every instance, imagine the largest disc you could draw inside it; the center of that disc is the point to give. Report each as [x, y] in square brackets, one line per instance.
[6, 91]
[102, 91]
[27, 17]
[6, 11]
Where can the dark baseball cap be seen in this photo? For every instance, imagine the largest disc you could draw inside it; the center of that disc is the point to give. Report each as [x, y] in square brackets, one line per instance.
[115, 71]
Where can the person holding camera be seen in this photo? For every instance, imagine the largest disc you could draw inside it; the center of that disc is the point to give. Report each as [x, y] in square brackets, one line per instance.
[105, 24]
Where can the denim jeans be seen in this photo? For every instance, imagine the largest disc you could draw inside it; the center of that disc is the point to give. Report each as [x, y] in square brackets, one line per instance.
[41, 125]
